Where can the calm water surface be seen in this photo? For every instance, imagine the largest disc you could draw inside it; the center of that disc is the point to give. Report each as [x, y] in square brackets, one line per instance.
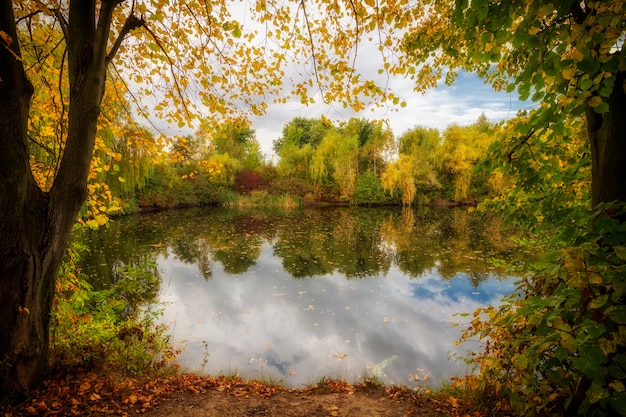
[317, 292]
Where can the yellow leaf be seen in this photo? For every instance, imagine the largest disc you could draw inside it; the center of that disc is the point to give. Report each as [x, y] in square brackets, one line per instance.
[595, 101]
[6, 38]
[568, 73]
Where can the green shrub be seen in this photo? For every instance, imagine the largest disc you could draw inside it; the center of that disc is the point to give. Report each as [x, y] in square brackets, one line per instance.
[558, 346]
[369, 190]
[107, 329]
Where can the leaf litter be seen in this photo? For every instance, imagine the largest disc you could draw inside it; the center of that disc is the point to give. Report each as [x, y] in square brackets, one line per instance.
[91, 394]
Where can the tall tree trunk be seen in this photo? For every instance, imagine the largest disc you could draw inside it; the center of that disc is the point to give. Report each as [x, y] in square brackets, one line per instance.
[607, 133]
[35, 225]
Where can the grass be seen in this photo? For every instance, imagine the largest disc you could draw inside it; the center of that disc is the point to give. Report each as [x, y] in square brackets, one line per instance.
[263, 199]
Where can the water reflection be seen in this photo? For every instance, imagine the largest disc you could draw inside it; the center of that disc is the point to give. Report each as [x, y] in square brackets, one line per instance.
[298, 296]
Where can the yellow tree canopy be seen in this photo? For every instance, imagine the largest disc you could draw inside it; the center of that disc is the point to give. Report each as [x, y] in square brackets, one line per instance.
[185, 59]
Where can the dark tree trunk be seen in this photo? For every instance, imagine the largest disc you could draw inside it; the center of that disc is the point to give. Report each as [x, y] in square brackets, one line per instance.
[35, 225]
[607, 133]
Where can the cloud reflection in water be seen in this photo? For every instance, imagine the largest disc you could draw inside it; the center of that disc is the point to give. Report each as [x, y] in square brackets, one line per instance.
[266, 323]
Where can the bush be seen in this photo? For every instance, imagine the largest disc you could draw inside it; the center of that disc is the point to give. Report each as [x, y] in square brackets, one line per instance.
[558, 346]
[369, 190]
[248, 181]
[290, 186]
[104, 330]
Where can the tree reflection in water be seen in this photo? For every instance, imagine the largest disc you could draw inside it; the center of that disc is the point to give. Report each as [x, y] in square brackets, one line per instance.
[314, 292]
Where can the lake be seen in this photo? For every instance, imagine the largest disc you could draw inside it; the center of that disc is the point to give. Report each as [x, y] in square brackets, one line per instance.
[328, 292]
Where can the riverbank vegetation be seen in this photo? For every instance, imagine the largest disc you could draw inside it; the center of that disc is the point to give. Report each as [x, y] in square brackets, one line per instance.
[357, 162]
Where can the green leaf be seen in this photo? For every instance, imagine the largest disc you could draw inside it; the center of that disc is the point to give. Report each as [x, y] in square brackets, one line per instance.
[585, 84]
[588, 368]
[568, 342]
[520, 361]
[594, 354]
[618, 316]
[482, 9]
[620, 251]
[589, 65]
[537, 96]
[599, 301]
[602, 108]
[524, 91]
[618, 402]
[595, 330]
[596, 393]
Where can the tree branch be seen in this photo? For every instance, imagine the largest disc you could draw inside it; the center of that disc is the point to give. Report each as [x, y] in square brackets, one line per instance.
[140, 109]
[313, 53]
[62, 21]
[172, 66]
[520, 144]
[105, 17]
[578, 13]
[132, 22]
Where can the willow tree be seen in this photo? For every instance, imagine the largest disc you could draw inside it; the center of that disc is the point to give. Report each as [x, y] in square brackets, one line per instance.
[184, 58]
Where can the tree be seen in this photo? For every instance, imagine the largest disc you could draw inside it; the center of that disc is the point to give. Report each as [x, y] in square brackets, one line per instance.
[301, 131]
[556, 346]
[567, 55]
[192, 58]
[418, 148]
[239, 141]
[462, 148]
[374, 142]
[297, 146]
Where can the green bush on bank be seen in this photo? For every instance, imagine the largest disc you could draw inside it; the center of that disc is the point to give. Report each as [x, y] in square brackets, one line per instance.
[107, 329]
[369, 190]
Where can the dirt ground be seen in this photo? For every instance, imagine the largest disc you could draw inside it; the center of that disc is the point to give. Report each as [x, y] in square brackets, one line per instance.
[292, 404]
[189, 395]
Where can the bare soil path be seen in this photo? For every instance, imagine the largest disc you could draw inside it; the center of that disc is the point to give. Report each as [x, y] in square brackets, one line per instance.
[90, 394]
[293, 404]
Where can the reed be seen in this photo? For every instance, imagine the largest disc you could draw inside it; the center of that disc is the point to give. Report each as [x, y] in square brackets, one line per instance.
[264, 199]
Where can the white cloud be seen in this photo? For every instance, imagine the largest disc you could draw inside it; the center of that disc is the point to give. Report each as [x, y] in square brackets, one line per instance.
[462, 103]
[267, 321]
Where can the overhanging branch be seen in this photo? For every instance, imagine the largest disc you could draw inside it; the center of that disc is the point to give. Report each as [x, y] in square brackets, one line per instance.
[172, 66]
[520, 144]
[132, 22]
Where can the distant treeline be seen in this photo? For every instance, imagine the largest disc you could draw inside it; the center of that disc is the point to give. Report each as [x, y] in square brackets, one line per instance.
[319, 162]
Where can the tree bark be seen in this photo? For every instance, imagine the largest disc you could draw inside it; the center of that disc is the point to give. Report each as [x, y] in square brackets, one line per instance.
[607, 133]
[20, 198]
[35, 225]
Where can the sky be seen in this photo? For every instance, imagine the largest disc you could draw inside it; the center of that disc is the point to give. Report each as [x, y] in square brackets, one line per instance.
[461, 103]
